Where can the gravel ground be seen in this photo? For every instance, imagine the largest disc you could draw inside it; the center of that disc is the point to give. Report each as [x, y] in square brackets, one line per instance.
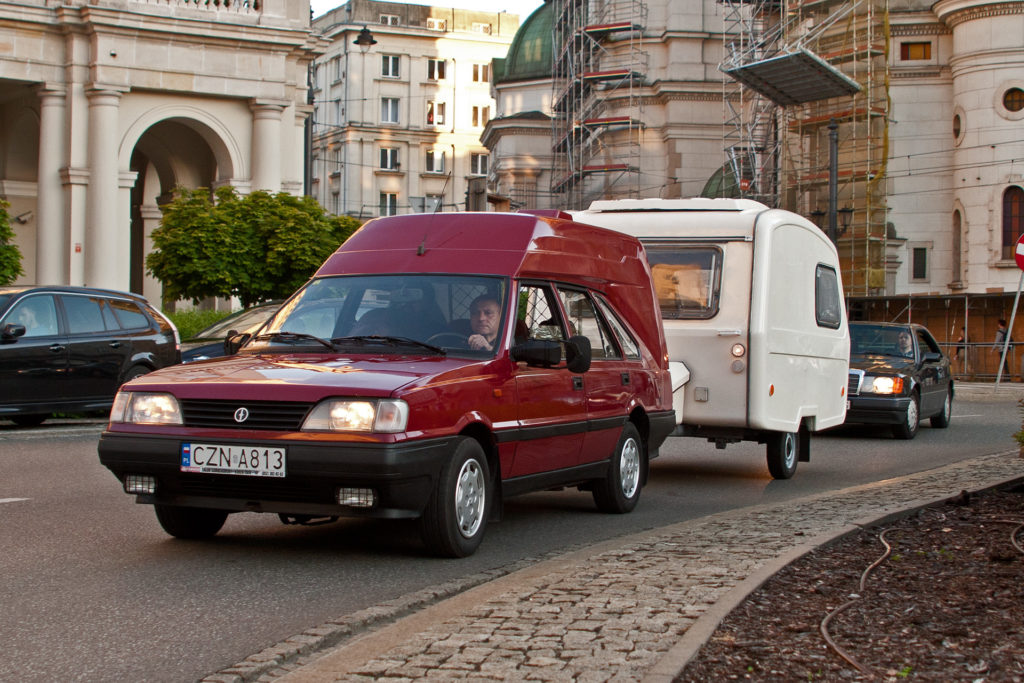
[945, 603]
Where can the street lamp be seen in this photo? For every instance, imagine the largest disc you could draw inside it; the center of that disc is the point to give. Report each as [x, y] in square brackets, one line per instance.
[364, 40]
[845, 215]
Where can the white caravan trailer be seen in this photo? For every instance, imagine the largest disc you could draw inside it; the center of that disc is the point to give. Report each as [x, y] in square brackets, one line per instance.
[752, 303]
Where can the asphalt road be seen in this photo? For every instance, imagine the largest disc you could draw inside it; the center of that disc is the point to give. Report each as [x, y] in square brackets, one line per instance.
[94, 590]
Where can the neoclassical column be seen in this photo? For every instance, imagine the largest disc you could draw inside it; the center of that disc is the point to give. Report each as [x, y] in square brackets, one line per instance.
[266, 144]
[105, 265]
[52, 265]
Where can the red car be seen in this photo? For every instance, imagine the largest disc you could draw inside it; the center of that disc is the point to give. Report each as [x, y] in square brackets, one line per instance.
[433, 366]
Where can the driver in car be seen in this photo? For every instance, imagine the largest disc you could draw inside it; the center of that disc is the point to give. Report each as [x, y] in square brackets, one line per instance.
[485, 322]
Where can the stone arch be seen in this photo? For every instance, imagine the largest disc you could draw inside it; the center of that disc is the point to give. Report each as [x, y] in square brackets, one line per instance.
[168, 147]
[218, 136]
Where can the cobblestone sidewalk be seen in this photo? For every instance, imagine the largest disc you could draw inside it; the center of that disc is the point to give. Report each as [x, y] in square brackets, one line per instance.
[629, 609]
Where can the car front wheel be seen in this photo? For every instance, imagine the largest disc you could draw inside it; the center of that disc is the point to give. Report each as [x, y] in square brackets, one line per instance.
[619, 492]
[455, 518]
[942, 419]
[190, 523]
[783, 451]
[907, 429]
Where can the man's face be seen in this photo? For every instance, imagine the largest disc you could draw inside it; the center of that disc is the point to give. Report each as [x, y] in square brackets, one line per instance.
[484, 317]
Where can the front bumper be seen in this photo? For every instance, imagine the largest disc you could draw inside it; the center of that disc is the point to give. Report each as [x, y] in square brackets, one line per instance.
[401, 475]
[883, 410]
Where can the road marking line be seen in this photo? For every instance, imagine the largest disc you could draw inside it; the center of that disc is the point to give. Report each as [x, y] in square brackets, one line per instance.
[12, 500]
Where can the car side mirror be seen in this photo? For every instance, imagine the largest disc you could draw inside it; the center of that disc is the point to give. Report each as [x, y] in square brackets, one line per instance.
[578, 354]
[13, 330]
[538, 353]
[931, 357]
[234, 341]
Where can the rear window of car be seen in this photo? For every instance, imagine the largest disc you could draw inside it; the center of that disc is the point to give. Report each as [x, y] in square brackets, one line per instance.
[84, 314]
[686, 279]
[129, 315]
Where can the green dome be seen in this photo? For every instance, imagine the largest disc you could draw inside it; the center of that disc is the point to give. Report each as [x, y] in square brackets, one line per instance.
[529, 55]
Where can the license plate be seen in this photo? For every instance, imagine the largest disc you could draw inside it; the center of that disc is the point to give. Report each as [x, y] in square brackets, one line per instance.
[251, 461]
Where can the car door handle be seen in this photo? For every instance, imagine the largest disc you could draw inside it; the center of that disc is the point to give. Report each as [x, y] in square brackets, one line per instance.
[115, 345]
[577, 383]
[625, 379]
[56, 348]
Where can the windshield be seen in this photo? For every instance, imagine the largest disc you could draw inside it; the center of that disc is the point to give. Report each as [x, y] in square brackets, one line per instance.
[433, 314]
[243, 321]
[881, 340]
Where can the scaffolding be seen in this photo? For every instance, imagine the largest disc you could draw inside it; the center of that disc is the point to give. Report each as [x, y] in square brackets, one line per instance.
[599, 70]
[797, 73]
[751, 32]
[852, 37]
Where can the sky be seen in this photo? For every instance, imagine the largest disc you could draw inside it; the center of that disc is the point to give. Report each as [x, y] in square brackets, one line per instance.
[521, 7]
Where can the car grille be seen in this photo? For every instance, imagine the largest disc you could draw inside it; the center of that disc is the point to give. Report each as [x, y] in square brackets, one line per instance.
[279, 416]
[856, 379]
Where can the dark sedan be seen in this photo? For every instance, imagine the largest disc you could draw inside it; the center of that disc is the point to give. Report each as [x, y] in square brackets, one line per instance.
[898, 376]
[68, 349]
[209, 343]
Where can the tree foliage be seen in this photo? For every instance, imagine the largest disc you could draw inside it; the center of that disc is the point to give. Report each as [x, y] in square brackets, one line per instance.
[257, 247]
[10, 255]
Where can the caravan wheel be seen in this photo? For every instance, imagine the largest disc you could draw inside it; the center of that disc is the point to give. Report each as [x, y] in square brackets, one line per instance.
[783, 452]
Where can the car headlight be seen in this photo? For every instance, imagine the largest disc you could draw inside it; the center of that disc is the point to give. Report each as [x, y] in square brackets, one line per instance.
[887, 385]
[141, 407]
[345, 415]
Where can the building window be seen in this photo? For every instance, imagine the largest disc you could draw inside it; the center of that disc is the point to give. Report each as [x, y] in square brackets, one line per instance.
[481, 73]
[435, 69]
[338, 70]
[435, 24]
[1013, 99]
[915, 51]
[389, 19]
[336, 203]
[389, 66]
[389, 158]
[389, 110]
[481, 115]
[388, 204]
[478, 164]
[479, 27]
[918, 263]
[435, 113]
[1013, 220]
[957, 126]
[435, 161]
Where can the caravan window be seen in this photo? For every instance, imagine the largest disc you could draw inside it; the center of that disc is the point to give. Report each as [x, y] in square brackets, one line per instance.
[828, 300]
[686, 279]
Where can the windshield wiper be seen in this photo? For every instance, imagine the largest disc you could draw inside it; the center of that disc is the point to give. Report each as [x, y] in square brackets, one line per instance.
[288, 337]
[392, 341]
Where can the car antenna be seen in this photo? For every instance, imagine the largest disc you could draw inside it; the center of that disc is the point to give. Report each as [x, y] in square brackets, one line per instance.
[422, 249]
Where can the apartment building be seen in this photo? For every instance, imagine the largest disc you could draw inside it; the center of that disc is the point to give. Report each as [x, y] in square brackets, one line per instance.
[400, 98]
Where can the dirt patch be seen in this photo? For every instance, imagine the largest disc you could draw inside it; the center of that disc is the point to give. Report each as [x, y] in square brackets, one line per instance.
[945, 604]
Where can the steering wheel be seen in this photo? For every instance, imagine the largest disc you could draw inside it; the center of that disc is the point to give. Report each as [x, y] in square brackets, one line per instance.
[447, 339]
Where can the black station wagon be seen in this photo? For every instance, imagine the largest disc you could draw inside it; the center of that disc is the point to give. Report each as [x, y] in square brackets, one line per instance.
[68, 349]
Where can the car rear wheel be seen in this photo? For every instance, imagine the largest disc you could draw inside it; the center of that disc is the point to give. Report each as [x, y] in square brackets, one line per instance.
[28, 420]
[190, 523]
[907, 429]
[783, 453]
[455, 518]
[135, 371]
[942, 419]
[619, 492]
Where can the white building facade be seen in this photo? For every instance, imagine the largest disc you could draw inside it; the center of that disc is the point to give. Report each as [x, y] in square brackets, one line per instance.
[398, 121]
[108, 105]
